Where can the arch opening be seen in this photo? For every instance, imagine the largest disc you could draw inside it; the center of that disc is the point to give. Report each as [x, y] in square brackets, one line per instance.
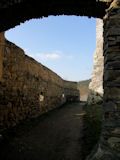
[30, 70]
[108, 147]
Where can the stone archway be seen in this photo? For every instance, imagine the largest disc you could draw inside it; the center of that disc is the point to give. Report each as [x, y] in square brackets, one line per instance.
[109, 145]
[13, 12]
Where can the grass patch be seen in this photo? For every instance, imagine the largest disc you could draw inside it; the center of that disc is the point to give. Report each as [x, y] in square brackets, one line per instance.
[92, 122]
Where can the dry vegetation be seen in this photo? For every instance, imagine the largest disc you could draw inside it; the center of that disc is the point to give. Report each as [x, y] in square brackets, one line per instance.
[92, 122]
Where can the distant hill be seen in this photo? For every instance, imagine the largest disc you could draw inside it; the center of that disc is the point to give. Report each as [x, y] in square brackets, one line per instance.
[84, 83]
[83, 87]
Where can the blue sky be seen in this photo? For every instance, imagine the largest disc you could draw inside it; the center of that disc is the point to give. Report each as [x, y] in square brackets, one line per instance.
[65, 44]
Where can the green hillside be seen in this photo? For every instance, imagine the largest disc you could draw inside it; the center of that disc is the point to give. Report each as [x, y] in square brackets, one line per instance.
[83, 88]
[84, 83]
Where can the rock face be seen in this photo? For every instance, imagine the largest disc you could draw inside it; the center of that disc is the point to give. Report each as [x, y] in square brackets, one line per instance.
[96, 85]
[27, 88]
[109, 144]
[11, 15]
[2, 39]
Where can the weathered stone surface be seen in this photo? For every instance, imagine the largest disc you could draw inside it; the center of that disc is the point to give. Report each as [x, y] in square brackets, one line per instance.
[110, 106]
[10, 10]
[114, 143]
[111, 93]
[110, 138]
[94, 98]
[2, 39]
[24, 82]
[116, 131]
[11, 15]
[96, 85]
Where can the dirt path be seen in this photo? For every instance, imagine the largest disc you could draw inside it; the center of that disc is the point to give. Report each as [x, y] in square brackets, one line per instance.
[54, 136]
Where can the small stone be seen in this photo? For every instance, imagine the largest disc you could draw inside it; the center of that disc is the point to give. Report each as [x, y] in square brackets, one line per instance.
[116, 131]
[113, 141]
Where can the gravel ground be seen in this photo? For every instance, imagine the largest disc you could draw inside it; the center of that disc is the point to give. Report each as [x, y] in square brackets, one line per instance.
[56, 135]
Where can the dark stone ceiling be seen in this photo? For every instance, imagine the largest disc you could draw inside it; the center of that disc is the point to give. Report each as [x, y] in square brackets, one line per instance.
[13, 12]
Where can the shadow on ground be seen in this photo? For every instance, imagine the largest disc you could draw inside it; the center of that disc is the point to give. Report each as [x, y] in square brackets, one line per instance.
[92, 125]
[56, 135]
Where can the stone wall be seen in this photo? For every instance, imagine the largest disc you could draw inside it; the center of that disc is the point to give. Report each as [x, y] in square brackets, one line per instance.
[108, 147]
[11, 15]
[96, 85]
[1, 52]
[27, 88]
[71, 94]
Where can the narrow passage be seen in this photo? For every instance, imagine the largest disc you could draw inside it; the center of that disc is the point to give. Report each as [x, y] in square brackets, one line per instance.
[54, 136]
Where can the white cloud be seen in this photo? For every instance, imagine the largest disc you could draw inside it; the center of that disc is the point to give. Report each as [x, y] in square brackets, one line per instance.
[46, 56]
[49, 56]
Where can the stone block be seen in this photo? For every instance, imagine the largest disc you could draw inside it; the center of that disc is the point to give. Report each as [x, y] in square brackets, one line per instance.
[110, 107]
[116, 131]
[112, 93]
[114, 143]
[24, 80]
[110, 75]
